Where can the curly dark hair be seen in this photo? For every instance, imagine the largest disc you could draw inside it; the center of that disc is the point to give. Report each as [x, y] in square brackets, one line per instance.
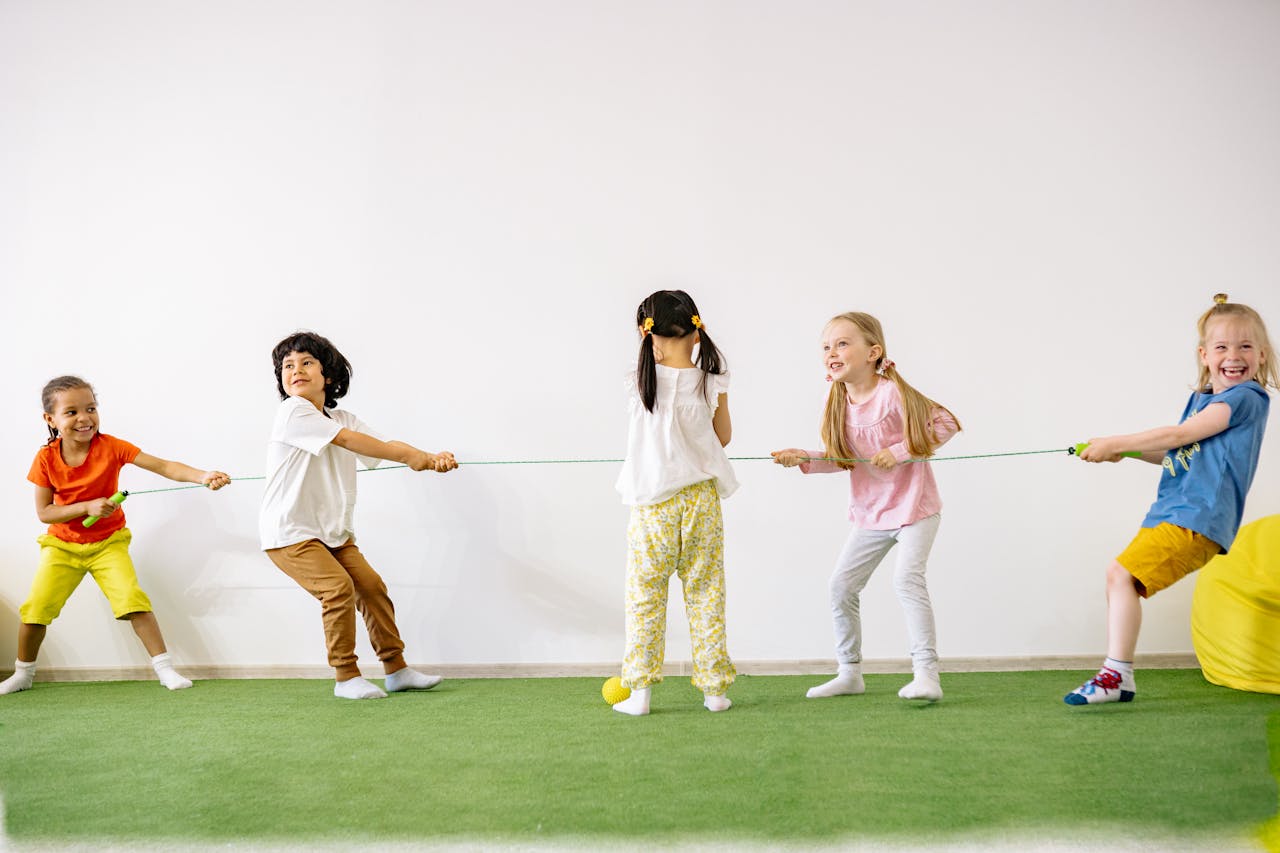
[333, 364]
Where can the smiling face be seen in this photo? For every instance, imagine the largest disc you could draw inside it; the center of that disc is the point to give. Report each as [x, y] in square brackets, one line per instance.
[846, 354]
[302, 376]
[1231, 352]
[74, 415]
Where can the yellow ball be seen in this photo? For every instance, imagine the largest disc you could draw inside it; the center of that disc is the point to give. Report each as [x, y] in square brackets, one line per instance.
[614, 691]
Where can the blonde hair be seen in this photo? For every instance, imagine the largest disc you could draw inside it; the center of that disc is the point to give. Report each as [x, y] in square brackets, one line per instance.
[1268, 371]
[918, 408]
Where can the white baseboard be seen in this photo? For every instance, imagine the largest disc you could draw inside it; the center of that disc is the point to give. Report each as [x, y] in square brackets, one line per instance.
[1030, 663]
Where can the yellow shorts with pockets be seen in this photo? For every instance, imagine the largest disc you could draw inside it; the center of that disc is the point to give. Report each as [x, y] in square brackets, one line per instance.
[1160, 556]
[64, 564]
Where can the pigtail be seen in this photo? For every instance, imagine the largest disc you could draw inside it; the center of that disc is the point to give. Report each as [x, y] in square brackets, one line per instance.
[918, 411]
[647, 374]
[834, 442]
[710, 359]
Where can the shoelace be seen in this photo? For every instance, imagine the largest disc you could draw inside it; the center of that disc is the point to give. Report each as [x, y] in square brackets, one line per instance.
[1107, 679]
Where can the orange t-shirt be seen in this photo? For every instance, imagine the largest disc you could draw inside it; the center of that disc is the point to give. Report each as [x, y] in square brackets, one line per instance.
[97, 477]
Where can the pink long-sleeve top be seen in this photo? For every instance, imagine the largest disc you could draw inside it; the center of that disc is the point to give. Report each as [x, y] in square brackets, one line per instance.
[879, 499]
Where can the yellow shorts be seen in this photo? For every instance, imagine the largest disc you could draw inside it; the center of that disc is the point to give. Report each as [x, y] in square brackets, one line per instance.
[64, 564]
[1162, 555]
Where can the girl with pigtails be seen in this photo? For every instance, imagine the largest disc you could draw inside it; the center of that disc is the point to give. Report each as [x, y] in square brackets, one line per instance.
[673, 477]
[879, 429]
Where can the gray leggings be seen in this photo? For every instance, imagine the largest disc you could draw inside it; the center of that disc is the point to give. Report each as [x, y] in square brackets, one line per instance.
[862, 552]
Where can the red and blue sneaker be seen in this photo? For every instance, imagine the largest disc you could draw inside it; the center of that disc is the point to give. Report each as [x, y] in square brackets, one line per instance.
[1109, 685]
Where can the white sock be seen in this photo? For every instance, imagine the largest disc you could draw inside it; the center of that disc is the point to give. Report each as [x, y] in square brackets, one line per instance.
[357, 688]
[168, 676]
[715, 703]
[924, 685]
[848, 682]
[1124, 667]
[410, 679]
[24, 674]
[637, 704]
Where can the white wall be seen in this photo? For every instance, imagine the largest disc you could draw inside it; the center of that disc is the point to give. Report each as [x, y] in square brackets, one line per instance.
[470, 198]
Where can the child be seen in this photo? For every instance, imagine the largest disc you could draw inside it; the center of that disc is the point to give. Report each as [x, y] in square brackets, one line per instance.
[873, 414]
[306, 521]
[75, 474]
[673, 477]
[1209, 460]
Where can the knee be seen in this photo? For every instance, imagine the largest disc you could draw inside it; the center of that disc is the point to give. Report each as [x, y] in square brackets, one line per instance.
[1118, 577]
[910, 583]
[339, 593]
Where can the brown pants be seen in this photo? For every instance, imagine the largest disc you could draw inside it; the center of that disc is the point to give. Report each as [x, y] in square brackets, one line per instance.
[342, 580]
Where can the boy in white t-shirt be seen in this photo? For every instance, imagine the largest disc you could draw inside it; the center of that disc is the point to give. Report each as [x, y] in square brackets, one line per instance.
[308, 508]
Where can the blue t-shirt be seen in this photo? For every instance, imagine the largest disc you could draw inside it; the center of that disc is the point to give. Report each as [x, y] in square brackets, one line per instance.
[1204, 483]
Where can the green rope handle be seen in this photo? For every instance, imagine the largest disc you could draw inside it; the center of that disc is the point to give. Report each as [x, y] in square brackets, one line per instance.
[615, 461]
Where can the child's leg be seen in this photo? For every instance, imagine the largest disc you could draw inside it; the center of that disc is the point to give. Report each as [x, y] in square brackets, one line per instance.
[147, 627]
[1124, 613]
[914, 543]
[862, 552]
[314, 568]
[653, 543]
[61, 569]
[148, 630]
[374, 604]
[112, 569]
[24, 668]
[30, 639]
[1114, 682]
[701, 569]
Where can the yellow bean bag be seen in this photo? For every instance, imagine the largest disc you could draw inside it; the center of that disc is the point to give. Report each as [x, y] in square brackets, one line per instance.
[1235, 611]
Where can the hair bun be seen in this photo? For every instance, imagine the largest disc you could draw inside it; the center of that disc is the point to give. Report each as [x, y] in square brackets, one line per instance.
[1219, 298]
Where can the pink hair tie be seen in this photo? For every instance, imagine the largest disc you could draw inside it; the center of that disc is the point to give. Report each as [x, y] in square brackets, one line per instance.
[887, 364]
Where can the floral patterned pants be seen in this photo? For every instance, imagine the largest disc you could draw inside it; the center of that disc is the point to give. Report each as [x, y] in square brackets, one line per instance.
[683, 535]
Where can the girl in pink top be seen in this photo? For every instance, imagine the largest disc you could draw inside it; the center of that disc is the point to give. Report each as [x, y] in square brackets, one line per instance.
[880, 430]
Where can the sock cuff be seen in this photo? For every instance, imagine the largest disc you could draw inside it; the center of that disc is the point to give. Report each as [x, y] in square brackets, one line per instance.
[160, 659]
[22, 664]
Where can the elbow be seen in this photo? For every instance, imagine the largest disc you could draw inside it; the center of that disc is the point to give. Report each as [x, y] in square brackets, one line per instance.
[724, 436]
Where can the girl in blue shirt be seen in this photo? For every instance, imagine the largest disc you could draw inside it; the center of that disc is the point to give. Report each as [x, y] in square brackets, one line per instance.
[1209, 460]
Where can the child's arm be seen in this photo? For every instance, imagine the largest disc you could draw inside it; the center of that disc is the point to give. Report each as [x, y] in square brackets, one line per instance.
[1153, 443]
[180, 473]
[810, 461]
[394, 451]
[942, 425]
[50, 513]
[720, 421]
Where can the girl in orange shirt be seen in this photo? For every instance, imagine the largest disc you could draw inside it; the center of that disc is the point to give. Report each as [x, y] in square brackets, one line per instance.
[75, 474]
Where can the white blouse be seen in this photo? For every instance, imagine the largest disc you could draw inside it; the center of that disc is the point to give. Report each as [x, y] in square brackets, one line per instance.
[674, 445]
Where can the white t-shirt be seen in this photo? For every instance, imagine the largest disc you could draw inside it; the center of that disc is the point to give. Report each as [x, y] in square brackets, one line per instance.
[674, 445]
[311, 482]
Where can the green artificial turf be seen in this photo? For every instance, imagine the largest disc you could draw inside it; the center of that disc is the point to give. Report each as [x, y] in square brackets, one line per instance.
[529, 759]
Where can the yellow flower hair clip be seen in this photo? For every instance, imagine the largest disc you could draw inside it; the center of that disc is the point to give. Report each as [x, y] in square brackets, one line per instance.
[648, 324]
[696, 321]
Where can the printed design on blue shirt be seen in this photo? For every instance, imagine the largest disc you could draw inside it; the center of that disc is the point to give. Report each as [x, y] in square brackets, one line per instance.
[1182, 456]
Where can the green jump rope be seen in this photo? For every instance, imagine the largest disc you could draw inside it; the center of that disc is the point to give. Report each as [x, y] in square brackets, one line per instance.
[1074, 450]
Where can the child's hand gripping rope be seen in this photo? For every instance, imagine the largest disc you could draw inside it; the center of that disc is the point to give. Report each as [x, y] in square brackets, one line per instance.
[1100, 456]
[107, 508]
